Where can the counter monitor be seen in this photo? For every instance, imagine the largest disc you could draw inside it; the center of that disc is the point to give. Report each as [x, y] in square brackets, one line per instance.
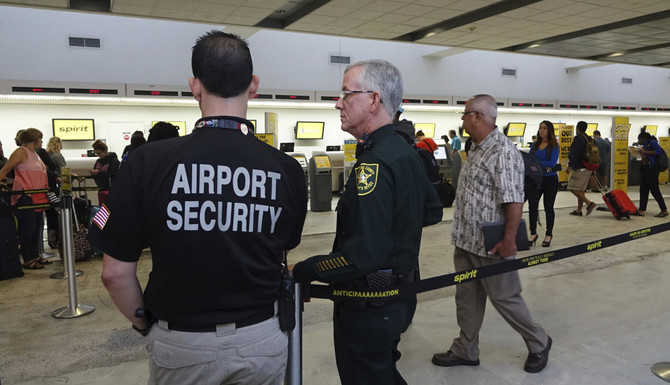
[74, 129]
[650, 129]
[427, 128]
[515, 129]
[590, 127]
[441, 152]
[309, 130]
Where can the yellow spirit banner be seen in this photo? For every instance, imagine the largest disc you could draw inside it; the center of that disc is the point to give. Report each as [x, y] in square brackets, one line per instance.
[566, 134]
[619, 169]
[271, 127]
[664, 142]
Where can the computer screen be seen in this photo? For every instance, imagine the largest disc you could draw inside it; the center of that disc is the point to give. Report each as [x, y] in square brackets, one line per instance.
[287, 147]
[590, 127]
[650, 129]
[441, 152]
[516, 129]
[333, 148]
[309, 130]
[427, 128]
[74, 129]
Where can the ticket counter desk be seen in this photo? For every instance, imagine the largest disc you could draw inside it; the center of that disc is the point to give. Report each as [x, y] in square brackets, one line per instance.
[80, 167]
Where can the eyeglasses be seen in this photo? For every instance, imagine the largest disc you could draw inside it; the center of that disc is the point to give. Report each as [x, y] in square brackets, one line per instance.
[344, 95]
[471, 112]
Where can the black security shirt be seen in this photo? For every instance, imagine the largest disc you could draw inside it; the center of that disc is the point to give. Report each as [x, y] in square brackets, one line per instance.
[217, 208]
[387, 200]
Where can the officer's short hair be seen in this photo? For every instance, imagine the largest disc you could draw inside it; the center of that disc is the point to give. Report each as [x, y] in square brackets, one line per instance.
[383, 77]
[222, 63]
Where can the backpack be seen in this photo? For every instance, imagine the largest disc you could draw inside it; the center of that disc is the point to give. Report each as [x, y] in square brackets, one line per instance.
[533, 170]
[430, 164]
[591, 156]
[662, 161]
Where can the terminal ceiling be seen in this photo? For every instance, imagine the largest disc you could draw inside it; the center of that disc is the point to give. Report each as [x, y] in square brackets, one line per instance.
[621, 31]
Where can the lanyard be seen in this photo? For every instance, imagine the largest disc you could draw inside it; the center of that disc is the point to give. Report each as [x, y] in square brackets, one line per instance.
[225, 122]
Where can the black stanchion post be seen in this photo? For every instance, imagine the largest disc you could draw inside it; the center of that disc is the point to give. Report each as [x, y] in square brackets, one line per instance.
[294, 364]
[74, 309]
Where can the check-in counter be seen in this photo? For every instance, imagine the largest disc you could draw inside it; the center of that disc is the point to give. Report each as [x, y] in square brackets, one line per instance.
[337, 168]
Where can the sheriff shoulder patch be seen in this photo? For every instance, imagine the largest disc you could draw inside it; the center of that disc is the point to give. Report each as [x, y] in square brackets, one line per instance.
[366, 174]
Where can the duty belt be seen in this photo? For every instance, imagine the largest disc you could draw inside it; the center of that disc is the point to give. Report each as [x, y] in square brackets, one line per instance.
[257, 318]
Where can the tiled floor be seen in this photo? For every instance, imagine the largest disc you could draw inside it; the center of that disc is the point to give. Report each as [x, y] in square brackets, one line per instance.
[607, 312]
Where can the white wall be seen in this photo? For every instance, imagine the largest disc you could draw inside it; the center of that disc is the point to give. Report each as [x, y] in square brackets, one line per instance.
[142, 51]
[18, 116]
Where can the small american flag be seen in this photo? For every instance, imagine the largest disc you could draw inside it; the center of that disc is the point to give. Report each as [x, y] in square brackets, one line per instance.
[101, 217]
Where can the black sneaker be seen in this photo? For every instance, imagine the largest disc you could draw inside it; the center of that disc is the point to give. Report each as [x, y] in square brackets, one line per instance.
[537, 361]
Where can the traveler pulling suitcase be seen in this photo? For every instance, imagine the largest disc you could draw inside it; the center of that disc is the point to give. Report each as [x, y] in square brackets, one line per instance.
[617, 201]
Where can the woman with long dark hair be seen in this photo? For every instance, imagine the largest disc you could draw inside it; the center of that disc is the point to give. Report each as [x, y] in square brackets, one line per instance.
[546, 150]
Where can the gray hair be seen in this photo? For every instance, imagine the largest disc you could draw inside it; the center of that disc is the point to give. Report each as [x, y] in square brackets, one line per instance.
[383, 77]
[487, 102]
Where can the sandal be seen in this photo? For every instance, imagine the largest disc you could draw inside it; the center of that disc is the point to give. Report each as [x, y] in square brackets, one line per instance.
[590, 207]
[33, 264]
[577, 213]
[662, 214]
[44, 261]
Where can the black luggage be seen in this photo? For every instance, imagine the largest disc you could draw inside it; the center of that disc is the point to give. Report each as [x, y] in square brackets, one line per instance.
[10, 262]
[446, 192]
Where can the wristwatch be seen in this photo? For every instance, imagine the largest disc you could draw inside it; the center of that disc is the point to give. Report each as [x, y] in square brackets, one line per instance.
[141, 313]
[143, 332]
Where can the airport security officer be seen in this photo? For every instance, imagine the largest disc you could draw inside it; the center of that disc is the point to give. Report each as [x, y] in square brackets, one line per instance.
[386, 202]
[218, 208]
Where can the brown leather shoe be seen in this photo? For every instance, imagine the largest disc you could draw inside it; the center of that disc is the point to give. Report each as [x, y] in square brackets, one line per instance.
[450, 359]
[537, 361]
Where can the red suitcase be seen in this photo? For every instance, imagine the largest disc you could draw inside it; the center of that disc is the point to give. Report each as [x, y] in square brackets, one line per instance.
[617, 201]
[619, 204]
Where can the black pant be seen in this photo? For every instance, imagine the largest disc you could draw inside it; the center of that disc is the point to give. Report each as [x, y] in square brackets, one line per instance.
[31, 224]
[549, 190]
[366, 341]
[649, 182]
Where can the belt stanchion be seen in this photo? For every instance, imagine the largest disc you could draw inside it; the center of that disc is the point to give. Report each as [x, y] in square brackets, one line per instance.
[392, 292]
[294, 364]
[662, 370]
[63, 234]
[74, 309]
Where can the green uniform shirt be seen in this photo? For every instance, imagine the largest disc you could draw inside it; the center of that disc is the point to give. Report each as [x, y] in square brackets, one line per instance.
[386, 202]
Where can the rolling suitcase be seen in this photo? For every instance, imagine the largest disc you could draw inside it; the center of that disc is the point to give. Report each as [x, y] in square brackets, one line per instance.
[617, 201]
[10, 264]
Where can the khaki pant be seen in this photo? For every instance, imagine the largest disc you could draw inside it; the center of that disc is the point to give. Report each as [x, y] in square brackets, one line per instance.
[504, 291]
[252, 355]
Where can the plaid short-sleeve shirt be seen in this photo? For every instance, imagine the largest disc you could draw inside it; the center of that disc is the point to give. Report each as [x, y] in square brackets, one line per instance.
[492, 175]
